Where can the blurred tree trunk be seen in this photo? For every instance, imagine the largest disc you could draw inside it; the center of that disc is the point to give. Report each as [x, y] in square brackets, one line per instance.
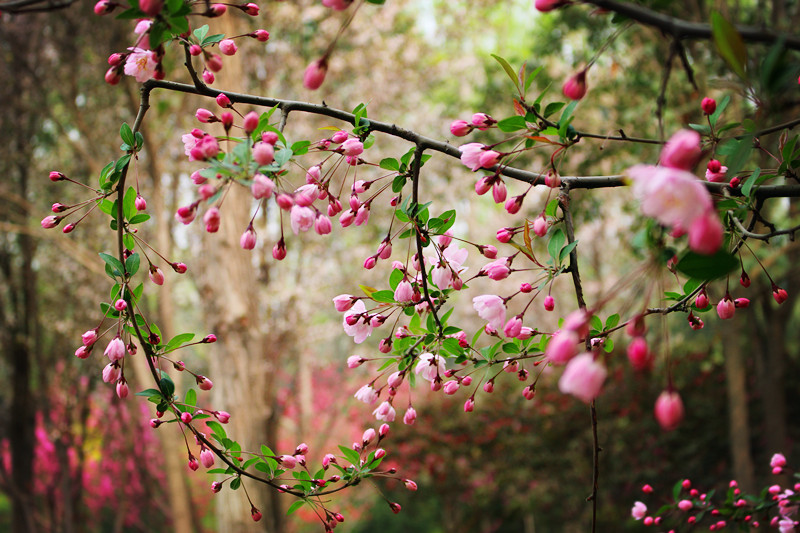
[240, 363]
[738, 411]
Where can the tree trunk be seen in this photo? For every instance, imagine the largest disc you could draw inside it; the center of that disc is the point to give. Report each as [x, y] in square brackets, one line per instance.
[738, 411]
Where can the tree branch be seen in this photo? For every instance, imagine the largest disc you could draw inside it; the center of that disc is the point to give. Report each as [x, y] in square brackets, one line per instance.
[683, 29]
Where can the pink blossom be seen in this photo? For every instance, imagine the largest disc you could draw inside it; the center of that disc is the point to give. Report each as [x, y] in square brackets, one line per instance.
[250, 122]
[471, 155]
[638, 353]
[263, 153]
[227, 47]
[322, 225]
[708, 105]
[639, 510]
[715, 172]
[315, 74]
[583, 377]
[368, 435]
[302, 218]
[395, 379]
[89, 338]
[385, 412]
[410, 417]
[287, 461]
[111, 372]
[248, 239]
[352, 147]
[140, 64]
[122, 389]
[304, 196]
[549, 303]
[513, 327]
[115, 349]
[151, 8]
[778, 460]
[705, 234]
[483, 185]
[726, 308]
[672, 197]
[207, 458]
[140, 203]
[212, 220]
[491, 308]
[337, 5]
[430, 366]
[204, 383]
[669, 410]
[451, 387]
[685, 505]
[562, 347]
[343, 302]
[362, 215]
[208, 77]
[451, 261]
[499, 191]
[361, 329]
[540, 226]
[262, 187]
[575, 86]
[460, 128]
[223, 416]
[497, 269]
[156, 275]
[404, 293]
[488, 159]
[682, 150]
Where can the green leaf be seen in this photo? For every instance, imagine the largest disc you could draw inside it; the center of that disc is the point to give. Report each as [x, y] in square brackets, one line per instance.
[129, 203]
[295, 506]
[707, 267]
[395, 278]
[512, 124]
[201, 32]
[550, 210]
[211, 39]
[509, 71]
[552, 107]
[566, 250]
[383, 296]
[167, 385]
[300, 147]
[139, 218]
[612, 321]
[126, 133]
[740, 153]
[721, 105]
[191, 397]
[147, 393]
[236, 483]
[132, 264]
[729, 43]
[217, 429]
[750, 182]
[349, 454]
[557, 240]
[390, 163]
[113, 262]
[178, 340]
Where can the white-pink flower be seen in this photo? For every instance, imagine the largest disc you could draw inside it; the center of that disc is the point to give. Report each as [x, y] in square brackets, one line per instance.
[452, 260]
[141, 64]
[471, 155]
[672, 196]
[385, 412]
[302, 218]
[583, 377]
[639, 510]
[366, 394]
[430, 366]
[361, 329]
[492, 309]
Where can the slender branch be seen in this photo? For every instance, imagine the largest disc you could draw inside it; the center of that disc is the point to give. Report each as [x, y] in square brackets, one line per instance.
[761, 236]
[33, 6]
[415, 168]
[683, 29]
[427, 143]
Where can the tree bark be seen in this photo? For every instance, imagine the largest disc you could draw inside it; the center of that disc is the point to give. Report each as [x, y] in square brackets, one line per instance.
[738, 411]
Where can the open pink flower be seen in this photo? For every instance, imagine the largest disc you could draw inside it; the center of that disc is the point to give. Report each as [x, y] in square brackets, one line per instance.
[471, 155]
[451, 261]
[492, 309]
[639, 510]
[583, 377]
[141, 64]
[302, 218]
[385, 412]
[673, 197]
[366, 394]
[430, 366]
[361, 329]
[682, 150]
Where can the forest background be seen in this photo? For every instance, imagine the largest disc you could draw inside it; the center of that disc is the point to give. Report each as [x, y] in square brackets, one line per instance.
[528, 467]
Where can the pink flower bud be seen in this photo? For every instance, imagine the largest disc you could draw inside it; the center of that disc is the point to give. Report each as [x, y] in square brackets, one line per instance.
[583, 377]
[180, 268]
[352, 147]
[223, 416]
[50, 222]
[701, 302]
[741, 303]
[575, 86]
[151, 8]
[669, 410]
[726, 308]
[288, 461]
[322, 225]
[354, 360]
[248, 239]
[104, 7]
[204, 383]
[195, 50]
[682, 150]
[410, 417]
[549, 303]
[186, 417]
[113, 75]
[460, 128]
[368, 435]
[208, 77]
[279, 250]
[489, 158]
[708, 105]
[549, 5]
[779, 294]
[395, 507]
[705, 234]
[140, 203]
[261, 35]
[499, 191]
[205, 116]
[482, 121]
[450, 387]
[255, 514]
[540, 226]
[223, 100]
[250, 9]
[315, 74]
[227, 47]
[111, 372]
[638, 353]
[514, 204]
[156, 275]
[212, 220]
[120, 304]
